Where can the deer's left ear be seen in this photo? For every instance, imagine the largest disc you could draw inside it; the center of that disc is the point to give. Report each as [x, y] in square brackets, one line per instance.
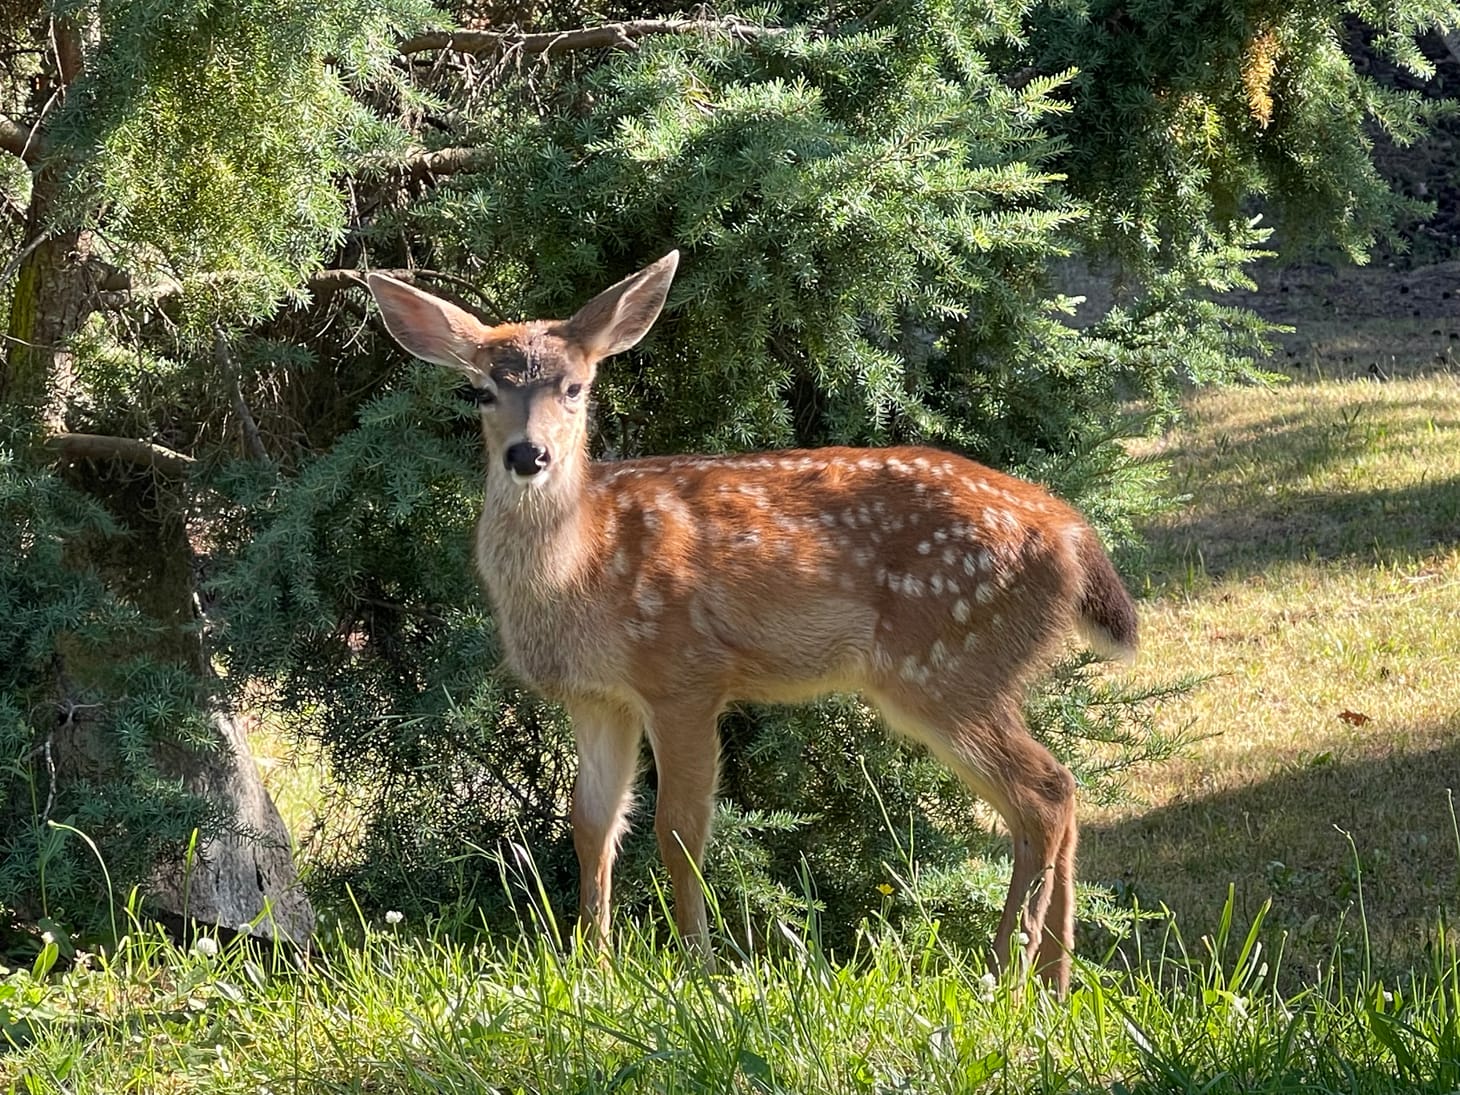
[622, 314]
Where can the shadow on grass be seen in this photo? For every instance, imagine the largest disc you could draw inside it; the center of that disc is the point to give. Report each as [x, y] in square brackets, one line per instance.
[1381, 525]
[1285, 839]
[1260, 489]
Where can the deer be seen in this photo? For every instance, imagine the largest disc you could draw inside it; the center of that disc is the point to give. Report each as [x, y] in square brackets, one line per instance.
[645, 595]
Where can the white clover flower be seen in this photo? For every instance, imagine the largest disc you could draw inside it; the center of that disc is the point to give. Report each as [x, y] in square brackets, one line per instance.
[1239, 1005]
[205, 945]
[245, 928]
[1023, 939]
[394, 917]
[986, 986]
[48, 938]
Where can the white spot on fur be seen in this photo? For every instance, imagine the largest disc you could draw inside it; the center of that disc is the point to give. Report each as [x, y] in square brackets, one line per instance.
[970, 640]
[937, 585]
[961, 610]
[984, 593]
[649, 600]
[699, 619]
[924, 548]
[912, 671]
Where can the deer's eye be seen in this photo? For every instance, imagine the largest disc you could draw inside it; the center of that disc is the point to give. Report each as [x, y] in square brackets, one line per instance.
[477, 397]
[574, 391]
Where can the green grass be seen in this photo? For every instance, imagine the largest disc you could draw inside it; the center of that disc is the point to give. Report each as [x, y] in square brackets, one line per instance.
[400, 1010]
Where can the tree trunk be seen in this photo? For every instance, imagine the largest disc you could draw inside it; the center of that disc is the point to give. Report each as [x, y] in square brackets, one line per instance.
[238, 879]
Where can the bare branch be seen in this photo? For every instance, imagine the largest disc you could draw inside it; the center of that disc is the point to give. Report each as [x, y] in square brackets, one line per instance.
[19, 140]
[253, 441]
[91, 446]
[605, 36]
[447, 161]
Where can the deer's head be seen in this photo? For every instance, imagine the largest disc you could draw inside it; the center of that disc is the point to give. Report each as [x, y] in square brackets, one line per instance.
[530, 380]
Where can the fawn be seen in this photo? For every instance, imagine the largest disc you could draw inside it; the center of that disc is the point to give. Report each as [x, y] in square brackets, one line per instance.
[645, 595]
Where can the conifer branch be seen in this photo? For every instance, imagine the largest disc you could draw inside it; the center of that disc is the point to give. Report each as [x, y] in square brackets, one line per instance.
[620, 35]
[129, 450]
[253, 441]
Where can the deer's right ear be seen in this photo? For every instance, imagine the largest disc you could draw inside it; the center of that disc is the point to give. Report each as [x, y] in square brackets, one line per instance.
[427, 326]
[622, 314]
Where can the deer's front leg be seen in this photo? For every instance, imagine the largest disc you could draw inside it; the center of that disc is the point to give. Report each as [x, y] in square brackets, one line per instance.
[608, 753]
[686, 744]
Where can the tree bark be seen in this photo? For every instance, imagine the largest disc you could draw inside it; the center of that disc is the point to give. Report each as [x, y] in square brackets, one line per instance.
[246, 874]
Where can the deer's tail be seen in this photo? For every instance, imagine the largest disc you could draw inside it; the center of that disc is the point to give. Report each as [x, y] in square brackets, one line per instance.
[1107, 620]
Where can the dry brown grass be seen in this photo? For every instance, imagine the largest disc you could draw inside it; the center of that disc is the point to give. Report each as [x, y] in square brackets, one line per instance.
[1317, 572]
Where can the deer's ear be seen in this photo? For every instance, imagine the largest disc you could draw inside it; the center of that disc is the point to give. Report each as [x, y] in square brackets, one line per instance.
[622, 314]
[427, 326]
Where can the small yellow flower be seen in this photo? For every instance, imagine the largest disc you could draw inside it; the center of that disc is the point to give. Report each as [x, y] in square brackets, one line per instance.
[885, 890]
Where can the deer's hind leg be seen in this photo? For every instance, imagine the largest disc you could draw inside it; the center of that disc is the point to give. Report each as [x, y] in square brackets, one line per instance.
[992, 752]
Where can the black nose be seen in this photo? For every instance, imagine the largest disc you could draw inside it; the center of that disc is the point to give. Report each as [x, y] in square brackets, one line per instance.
[525, 458]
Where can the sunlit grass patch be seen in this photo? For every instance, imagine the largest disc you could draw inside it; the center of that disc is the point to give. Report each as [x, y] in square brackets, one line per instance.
[1316, 571]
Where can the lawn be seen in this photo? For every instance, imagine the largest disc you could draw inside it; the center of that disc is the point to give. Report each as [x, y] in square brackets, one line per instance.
[1316, 573]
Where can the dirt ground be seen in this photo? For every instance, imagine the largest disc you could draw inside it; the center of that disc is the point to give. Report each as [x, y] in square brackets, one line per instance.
[1380, 320]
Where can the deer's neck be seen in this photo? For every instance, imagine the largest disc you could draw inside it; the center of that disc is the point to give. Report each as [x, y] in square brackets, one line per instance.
[538, 544]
